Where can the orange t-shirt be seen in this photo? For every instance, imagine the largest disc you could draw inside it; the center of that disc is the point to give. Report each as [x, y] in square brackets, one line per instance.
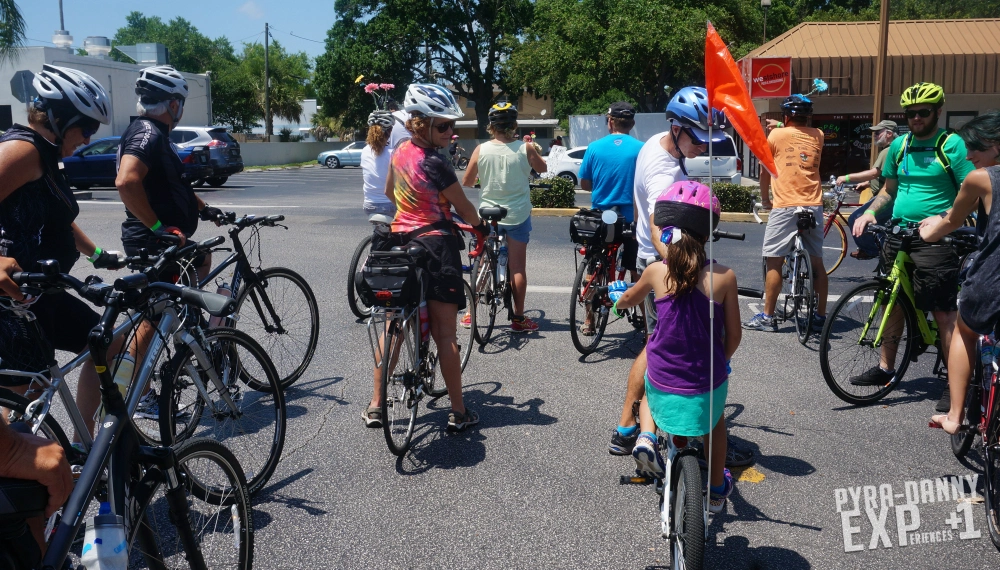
[796, 152]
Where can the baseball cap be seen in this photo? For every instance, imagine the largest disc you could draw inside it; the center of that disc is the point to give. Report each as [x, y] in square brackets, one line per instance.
[621, 110]
[886, 124]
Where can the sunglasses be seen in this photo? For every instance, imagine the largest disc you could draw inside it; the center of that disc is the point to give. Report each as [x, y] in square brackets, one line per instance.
[694, 138]
[87, 133]
[445, 127]
[922, 113]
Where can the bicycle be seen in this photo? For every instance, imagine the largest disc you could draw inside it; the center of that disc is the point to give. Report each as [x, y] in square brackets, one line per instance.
[357, 261]
[492, 289]
[153, 489]
[873, 324]
[796, 277]
[834, 224]
[402, 347]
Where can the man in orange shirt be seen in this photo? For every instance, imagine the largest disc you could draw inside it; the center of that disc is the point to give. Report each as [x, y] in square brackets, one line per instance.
[797, 149]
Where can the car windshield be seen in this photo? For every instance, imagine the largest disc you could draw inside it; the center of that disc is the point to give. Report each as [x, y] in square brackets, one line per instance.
[223, 136]
[722, 148]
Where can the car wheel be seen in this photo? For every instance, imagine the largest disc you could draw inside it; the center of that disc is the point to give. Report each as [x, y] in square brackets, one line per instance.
[198, 183]
[82, 186]
[332, 162]
[216, 182]
[568, 176]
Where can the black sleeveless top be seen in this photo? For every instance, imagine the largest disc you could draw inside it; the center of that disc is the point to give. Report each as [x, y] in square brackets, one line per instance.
[35, 220]
[984, 275]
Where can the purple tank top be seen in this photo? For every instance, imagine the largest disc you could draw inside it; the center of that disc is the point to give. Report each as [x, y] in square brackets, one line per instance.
[678, 353]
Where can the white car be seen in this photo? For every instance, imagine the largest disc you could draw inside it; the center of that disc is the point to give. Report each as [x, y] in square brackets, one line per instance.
[568, 165]
[727, 166]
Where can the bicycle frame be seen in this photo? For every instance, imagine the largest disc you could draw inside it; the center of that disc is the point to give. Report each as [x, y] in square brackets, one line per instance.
[900, 280]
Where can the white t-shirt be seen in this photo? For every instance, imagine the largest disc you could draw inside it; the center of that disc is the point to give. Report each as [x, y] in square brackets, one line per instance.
[655, 171]
[399, 132]
[374, 170]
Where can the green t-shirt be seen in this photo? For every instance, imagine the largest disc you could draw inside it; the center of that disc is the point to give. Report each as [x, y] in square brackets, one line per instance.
[925, 188]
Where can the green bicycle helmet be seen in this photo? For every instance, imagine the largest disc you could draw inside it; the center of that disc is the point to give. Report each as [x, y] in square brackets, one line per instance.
[922, 94]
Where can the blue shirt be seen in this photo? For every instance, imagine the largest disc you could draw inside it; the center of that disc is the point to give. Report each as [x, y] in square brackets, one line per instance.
[609, 164]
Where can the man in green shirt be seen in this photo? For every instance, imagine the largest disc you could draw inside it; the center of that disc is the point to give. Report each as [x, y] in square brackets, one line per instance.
[923, 171]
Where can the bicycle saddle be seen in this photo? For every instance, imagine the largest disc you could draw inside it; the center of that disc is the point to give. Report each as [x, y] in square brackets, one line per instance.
[380, 219]
[493, 214]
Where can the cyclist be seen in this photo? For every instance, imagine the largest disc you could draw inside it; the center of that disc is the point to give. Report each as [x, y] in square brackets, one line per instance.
[978, 311]
[37, 213]
[678, 399]
[883, 134]
[399, 132]
[424, 187]
[608, 172]
[375, 159]
[797, 149]
[454, 150]
[923, 172]
[157, 200]
[503, 166]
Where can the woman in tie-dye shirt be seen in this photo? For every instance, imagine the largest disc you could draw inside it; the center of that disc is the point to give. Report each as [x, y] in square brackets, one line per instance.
[423, 186]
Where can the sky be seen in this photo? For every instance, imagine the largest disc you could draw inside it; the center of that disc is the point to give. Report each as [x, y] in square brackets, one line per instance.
[238, 20]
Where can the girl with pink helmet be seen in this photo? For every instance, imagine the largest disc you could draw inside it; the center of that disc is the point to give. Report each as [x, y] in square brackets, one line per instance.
[681, 398]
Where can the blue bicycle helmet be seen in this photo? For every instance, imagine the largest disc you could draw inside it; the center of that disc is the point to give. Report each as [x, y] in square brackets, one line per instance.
[689, 109]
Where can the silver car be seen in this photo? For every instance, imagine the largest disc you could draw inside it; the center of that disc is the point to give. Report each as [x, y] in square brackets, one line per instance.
[726, 165]
[224, 152]
[350, 155]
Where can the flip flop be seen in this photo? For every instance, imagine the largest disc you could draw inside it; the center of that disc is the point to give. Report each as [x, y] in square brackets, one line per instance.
[942, 421]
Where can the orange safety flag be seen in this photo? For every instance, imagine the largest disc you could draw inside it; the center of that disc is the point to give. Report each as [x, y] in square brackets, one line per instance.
[728, 93]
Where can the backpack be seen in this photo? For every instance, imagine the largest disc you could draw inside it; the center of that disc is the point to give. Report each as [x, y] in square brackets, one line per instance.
[938, 149]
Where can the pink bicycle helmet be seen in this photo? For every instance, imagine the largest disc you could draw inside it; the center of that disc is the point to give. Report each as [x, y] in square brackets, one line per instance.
[683, 206]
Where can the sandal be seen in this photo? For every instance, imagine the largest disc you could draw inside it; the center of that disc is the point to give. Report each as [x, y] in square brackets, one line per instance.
[588, 329]
[372, 417]
[458, 421]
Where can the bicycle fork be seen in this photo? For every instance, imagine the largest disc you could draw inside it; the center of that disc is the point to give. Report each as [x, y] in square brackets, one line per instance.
[208, 367]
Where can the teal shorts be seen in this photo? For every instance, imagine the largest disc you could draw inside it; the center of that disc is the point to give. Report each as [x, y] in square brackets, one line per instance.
[678, 414]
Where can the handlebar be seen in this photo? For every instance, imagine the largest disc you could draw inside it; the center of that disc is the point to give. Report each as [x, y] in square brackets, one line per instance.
[480, 240]
[962, 237]
[719, 234]
[757, 206]
[229, 218]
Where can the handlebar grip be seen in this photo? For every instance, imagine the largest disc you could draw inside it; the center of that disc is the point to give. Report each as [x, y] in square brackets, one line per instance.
[748, 292]
[131, 282]
[729, 235]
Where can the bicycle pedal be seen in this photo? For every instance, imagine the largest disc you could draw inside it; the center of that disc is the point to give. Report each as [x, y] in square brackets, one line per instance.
[635, 480]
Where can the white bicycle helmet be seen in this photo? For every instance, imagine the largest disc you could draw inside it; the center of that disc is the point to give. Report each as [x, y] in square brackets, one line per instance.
[432, 101]
[70, 95]
[383, 119]
[160, 83]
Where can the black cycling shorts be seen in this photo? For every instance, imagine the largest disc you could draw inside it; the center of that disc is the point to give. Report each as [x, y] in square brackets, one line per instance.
[64, 321]
[630, 250]
[443, 268]
[935, 273]
[137, 237]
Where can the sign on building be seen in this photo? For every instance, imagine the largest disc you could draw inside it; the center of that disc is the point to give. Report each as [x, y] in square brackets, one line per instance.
[770, 77]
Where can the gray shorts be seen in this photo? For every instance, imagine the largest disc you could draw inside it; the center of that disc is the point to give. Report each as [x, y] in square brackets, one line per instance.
[782, 224]
[642, 264]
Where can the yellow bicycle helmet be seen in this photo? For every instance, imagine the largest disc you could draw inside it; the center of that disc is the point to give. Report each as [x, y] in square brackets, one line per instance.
[922, 94]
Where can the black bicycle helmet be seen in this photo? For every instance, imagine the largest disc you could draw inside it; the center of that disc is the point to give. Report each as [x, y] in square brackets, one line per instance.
[797, 106]
[503, 114]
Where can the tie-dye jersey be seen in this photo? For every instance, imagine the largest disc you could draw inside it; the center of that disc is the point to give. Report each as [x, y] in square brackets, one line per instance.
[420, 176]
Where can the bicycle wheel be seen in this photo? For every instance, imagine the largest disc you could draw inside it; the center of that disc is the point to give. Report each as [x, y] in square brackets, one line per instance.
[255, 430]
[219, 520]
[805, 300]
[434, 385]
[283, 317]
[463, 163]
[399, 376]
[847, 346]
[14, 406]
[991, 463]
[834, 244]
[357, 261]
[589, 276]
[487, 298]
[687, 537]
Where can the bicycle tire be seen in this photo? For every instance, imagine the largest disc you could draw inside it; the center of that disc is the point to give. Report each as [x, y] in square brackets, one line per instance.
[991, 472]
[399, 375]
[687, 537]
[258, 425]
[805, 299]
[845, 322]
[834, 244]
[463, 163]
[487, 299]
[360, 253]
[291, 347]
[433, 386]
[155, 535]
[17, 405]
[598, 278]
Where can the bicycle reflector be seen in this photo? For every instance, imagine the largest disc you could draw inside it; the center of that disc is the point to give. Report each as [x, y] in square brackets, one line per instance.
[383, 295]
[680, 442]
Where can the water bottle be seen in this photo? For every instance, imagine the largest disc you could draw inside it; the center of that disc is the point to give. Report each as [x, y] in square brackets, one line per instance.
[226, 291]
[502, 263]
[989, 350]
[425, 323]
[104, 546]
[123, 377]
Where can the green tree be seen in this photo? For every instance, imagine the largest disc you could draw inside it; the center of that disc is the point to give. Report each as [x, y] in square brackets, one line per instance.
[12, 28]
[289, 73]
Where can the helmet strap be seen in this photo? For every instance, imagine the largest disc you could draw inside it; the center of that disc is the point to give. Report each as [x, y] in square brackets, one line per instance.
[55, 129]
[180, 111]
[677, 145]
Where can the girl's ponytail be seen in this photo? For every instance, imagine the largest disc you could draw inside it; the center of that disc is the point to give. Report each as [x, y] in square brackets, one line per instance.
[685, 260]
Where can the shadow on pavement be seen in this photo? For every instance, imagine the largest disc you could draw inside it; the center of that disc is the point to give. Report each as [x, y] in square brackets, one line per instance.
[271, 495]
[736, 553]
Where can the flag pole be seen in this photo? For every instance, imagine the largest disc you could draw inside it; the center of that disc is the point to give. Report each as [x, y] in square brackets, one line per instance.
[711, 310]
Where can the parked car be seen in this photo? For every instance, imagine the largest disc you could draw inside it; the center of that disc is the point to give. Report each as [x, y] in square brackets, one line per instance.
[350, 155]
[95, 164]
[568, 165]
[727, 166]
[225, 158]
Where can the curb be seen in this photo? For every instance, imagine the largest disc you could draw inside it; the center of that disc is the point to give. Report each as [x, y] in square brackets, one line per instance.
[567, 212]
[83, 195]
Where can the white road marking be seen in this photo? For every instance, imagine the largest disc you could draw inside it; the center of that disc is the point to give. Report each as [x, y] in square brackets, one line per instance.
[261, 206]
[549, 289]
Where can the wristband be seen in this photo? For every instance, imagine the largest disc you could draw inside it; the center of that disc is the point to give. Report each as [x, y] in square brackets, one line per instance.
[97, 253]
[156, 226]
[872, 212]
[780, 124]
[847, 178]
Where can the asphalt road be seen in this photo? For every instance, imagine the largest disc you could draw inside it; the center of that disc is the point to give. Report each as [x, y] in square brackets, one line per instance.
[534, 486]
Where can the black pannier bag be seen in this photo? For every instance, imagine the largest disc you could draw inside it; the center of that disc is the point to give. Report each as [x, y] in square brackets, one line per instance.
[586, 228]
[386, 281]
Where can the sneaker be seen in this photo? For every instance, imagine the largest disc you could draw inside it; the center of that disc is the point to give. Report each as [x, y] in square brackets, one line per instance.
[736, 456]
[874, 376]
[648, 462]
[467, 321]
[862, 255]
[762, 322]
[622, 444]
[148, 408]
[524, 324]
[944, 403]
[458, 421]
[817, 323]
[717, 501]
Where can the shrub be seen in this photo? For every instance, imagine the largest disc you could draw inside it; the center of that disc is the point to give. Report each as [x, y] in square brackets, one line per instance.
[735, 197]
[284, 135]
[561, 195]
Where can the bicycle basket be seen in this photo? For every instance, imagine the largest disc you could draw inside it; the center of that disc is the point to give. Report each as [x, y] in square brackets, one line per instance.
[388, 282]
[586, 228]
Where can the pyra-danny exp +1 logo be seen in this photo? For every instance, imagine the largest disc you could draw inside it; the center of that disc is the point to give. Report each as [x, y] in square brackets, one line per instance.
[945, 503]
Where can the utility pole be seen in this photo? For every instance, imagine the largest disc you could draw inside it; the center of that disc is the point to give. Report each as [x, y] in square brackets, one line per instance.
[62, 23]
[883, 47]
[267, 89]
[427, 55]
